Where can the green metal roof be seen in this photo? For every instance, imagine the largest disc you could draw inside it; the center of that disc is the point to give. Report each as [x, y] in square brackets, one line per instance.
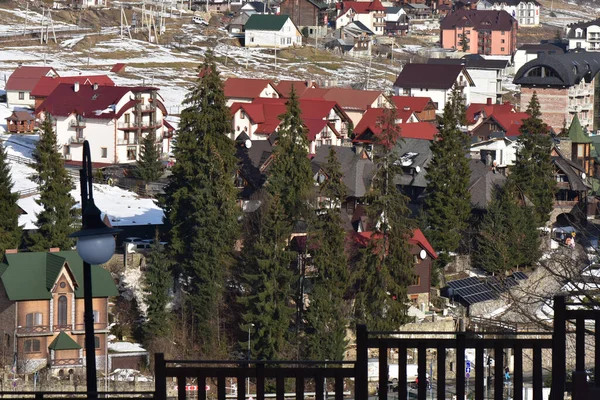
[64, 342]
[576, 132]
[266, 22]
[30, 276]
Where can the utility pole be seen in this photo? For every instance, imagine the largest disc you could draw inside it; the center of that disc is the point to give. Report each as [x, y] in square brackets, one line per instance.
[275, 51]
[26, 19]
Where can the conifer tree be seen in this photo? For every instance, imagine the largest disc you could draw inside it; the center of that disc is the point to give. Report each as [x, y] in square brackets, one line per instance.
[157, 282]
[327, 314]
[448, 202]
[384, 269]
[291, 174]
[10, 231]
[508, 237]
[533, 172]
[200, 206]
[148, 166]
[58, 218]
[268, 281]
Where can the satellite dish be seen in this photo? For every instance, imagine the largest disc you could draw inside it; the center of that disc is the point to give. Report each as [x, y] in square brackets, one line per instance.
[248, 143]
[423, 254]
[418, 169]
[583, 175]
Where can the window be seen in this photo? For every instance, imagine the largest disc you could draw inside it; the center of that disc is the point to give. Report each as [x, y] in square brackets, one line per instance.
[32, 346]
[242, 115]
[131, 153]
[104, 152]
[416, 281]
[33, 319]
[252, 40]
[282, 41]
[501, 48]
[96, 316]
[62, 310]
[502, 41]
[127, 118]
[503, 33]
[21, 95]
[31, 97]
[289, 40]
[97, 342]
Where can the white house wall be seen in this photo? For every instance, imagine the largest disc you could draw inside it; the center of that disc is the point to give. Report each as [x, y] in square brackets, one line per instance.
[526, 13]
[288, 34]
[506, 153]
[240, 125]
[486, 85]
[12, 98]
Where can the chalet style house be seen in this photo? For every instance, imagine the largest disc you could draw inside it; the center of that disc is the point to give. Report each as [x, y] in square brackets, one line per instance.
[114, 119]
[41, 310]
[22, 81]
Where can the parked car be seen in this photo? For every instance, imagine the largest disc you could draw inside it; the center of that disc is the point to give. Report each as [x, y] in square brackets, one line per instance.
[151, 242]
[199, 21]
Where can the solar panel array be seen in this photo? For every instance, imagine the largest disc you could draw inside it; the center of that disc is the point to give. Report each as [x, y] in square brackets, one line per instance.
[475, 290]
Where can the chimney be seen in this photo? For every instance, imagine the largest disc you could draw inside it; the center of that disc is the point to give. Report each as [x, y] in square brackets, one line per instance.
[489, 101]
[76, 87]
[11, 251]
[95, 86]
[54, 250]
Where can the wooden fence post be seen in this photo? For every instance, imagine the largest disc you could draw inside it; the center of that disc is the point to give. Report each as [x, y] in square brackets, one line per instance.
[160, 377]
[361, 371]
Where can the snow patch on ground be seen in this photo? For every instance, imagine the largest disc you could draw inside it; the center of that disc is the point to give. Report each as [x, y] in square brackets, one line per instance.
[132, 288]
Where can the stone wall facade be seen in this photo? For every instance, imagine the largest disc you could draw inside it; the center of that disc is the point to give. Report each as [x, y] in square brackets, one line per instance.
[553, 104]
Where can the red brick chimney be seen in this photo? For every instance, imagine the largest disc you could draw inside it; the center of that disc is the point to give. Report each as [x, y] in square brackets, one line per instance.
[54, 250]
[11, 251]
[489, 101]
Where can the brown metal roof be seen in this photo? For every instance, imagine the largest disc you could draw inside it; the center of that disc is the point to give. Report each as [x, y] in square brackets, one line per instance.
[479, 19]
[428, 76]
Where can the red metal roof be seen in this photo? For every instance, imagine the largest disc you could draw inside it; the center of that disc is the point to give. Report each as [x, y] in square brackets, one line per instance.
[245, 88]
[47, 84]
[285, 87]
[118, 67]
[25, 78]
[362, 7]
[418, 238]
[511, 121]
[99, 103]
[486, 109]
[418, 130]
[370, 120]
[494, 20]
[416, 104]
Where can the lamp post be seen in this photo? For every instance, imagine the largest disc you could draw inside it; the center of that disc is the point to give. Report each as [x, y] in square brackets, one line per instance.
[248, 379]
[95, 245]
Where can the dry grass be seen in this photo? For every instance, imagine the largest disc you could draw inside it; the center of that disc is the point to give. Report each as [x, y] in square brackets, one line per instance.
[536, 34]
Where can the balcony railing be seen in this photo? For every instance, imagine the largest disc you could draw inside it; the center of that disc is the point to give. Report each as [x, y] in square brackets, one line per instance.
[130, 141]
[147, 107]
[64, 362]
[67, 157]
[76, 139]
[60, 328]
[33, 330]
[77, 123]
[126, 125]
[98, 326]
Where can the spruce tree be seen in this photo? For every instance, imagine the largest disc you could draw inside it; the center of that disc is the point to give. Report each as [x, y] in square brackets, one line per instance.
[533, 172]
[200, 206]
[58, 218]
[157, 281]
[267, 281]
[448, 202]
[10, 231]
[291, 174]
[508, 237]
[385, 268]
[148, 166]
[328, 312]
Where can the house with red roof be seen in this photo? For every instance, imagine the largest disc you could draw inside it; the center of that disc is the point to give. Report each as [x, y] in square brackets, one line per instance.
[354, 102]
[113, 119]
[245, 90]
[423, 107]
[371, 14]
[435, 81]
[22, 81]
[284, 87]
[423, 257]
[371, 121]
[47, 84]
[478, 112]
[325, 121]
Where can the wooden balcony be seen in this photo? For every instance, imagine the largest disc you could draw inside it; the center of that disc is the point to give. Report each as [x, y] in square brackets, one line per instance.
[66, 362]
[77, 123]
[76, 140]
[34, 330]
[98, 327]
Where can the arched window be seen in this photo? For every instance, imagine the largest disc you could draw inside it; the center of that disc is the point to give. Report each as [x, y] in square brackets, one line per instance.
[62, 310]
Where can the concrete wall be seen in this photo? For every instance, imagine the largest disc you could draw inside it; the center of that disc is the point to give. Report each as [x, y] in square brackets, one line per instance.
[288, 36]
[486, 85]
[553, 104]
[12, 98]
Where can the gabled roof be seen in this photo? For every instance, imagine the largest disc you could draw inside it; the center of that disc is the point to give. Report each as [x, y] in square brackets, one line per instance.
[284, 87]
[496, 20]
[64, 342]
[581, 25]
[430, 76]
[361, 7]
[20, 116]
[571, 170]
[26, 276]
[482, 184]
[416, 104]
[25, 78]
[89, 102]
[511, 122]
[118, 67]
[47, 84]
[417, 239]
[367, 129]
[576, 131]
[357, 171]
[370, 120]
[348, 99]
[478, 110]
[317, 4]
[512, 2]
[265, 22]
[413, 153]
[535, 48]
[245, 88]
[257, 6]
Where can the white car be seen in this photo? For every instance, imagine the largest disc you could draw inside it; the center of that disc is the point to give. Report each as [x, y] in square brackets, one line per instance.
[199, 21]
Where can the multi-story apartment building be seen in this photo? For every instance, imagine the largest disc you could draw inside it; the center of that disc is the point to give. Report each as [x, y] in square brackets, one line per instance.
[371, 14]
[584, 35]
[485, 32]
[564, 84]
[526, 12]
[113, 119]
[41, 310]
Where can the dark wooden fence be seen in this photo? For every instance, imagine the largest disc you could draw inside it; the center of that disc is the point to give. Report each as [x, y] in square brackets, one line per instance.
[275, 378]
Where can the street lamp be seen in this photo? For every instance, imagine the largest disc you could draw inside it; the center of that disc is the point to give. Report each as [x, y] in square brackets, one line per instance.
[95, 245]
[248, 379]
